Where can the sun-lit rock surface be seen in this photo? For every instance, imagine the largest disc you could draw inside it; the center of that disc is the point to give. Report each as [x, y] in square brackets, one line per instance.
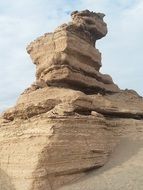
[124, 170]
[69, 121]
[68, 57]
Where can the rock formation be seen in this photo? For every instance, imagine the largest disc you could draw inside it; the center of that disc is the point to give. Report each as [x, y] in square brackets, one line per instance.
[63, 126]
[68, 58]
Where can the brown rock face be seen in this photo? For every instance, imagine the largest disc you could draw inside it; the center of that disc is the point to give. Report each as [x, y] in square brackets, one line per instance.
[45, 153]
[68, 57]
[65, 124]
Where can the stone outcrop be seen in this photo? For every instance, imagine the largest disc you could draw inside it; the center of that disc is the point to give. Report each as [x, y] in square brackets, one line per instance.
[124, 170]
[68, 57]
[60, 101]
[44, 153]
[64, 124]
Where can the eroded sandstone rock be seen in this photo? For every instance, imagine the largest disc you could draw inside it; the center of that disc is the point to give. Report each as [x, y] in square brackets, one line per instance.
[44, 153]
[67, 57]
[70, 119]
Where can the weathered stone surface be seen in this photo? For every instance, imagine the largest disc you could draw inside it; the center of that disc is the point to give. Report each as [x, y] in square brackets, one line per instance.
[60, 101]
[44, 153]
[125, 104]
[90, 22]
[64, 58]
[69, 121]
[124, 170]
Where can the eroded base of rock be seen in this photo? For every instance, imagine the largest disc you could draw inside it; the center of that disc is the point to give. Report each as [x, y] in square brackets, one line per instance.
[44, 153]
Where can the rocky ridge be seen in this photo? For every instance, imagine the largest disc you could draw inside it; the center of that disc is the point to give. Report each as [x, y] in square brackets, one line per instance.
[65, 124]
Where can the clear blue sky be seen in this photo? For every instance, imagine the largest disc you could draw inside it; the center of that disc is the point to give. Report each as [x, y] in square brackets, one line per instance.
[21, 21]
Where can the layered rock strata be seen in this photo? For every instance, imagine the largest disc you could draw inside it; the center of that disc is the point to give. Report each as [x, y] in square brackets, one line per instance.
[65, 124]
[60, 101]
[68, 57]
[44, 153]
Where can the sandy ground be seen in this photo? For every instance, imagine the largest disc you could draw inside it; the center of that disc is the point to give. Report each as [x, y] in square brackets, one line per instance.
[124, 170]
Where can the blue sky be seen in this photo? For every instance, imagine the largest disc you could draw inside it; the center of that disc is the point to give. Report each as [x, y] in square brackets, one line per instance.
[21, 21]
